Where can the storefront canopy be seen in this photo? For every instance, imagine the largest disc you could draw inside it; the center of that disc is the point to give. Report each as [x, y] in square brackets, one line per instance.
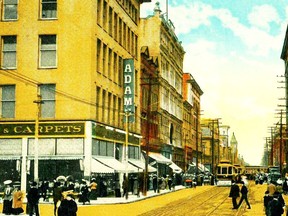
[141, 165]
[97, 167]
[116, 165]
[175, 168]
[160, 158]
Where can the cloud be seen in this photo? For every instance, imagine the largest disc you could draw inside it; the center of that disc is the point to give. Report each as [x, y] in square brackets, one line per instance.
[262, 16]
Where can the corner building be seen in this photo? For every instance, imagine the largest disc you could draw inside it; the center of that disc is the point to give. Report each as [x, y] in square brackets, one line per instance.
[62, 65]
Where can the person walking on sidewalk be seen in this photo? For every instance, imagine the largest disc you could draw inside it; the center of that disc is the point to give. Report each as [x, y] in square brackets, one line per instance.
[234, 193]
[244, 195]
[33, 197]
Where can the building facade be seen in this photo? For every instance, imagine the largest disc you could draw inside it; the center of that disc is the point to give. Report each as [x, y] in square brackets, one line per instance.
[158, 34]
[62, 72]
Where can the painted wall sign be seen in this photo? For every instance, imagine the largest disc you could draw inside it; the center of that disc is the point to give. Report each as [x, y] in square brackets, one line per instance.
[45, 129]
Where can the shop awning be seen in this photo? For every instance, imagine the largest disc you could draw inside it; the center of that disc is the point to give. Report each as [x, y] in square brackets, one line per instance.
[175, 168]
[9, 157]
[160, 158]
[141, 165]
[116, 165]
[57, 157]
[98, 167]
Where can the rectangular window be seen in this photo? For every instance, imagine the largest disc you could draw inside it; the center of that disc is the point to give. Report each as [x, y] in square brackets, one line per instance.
[9, 52]
[133, 152]
[48, 52]
[102, 148]
[98, 56]
[49, 9]
[47, 92]
[10, 9]
[7, 101]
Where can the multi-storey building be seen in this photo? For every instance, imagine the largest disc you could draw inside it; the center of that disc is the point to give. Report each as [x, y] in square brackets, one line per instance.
[62, 72]
[158, 34]
[191, 120]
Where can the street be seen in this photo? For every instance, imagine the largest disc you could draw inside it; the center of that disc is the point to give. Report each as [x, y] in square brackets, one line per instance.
[203, 200]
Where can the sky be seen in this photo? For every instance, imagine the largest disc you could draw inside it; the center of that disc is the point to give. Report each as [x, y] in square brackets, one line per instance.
[233, 50]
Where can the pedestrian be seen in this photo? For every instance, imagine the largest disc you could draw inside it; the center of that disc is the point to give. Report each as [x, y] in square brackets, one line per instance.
[154, 180]
[117, 188]
[267, 198]
[68, 206]
[136, 186]
[93, 188]
[125, 186]
[17, 204]
[57, 195]
[275, 207]
[84, 193]
[170, 183]
[285, 185]
[33, 197]
[244, 195]
[234, 193]
[7, 197]
[44, 188]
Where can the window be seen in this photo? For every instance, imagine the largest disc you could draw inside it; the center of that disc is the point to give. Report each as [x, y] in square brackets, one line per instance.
[49, 9]
[10, 9]
[9, 52]
[7, 101]
[133, 152]
[47, 92]
[102, 148]
[48, 51]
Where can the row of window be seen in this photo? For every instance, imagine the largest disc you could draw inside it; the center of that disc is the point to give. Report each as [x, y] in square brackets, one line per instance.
[48, 9]
[114, 25]
[47, 51]
[8, 101]
[107, 148]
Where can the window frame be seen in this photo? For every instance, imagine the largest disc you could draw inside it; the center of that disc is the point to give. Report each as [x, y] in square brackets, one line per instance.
[4, 11]
[9, 100]
[4, 52]
[42, 50]
[48, 100]
[47, 2]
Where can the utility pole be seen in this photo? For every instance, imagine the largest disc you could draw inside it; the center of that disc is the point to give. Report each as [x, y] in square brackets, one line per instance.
[36, 141]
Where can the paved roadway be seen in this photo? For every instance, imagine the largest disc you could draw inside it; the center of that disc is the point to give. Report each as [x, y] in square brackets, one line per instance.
[204, 200]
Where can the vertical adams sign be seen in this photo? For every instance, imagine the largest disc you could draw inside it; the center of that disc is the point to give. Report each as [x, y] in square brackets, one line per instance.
[129, 80]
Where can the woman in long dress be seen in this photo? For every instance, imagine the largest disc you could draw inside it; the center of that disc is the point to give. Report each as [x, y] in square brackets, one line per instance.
[17, 204]
[7, 199]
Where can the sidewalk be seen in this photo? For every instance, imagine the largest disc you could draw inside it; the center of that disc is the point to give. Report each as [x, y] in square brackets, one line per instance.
[116, 200]
[131, 198]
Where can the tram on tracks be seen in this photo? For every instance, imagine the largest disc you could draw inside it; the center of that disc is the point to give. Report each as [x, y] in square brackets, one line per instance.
[225, 172]
[240, 169]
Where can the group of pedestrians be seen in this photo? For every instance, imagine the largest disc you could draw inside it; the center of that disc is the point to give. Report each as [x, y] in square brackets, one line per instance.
[12, 199]
[235, 193]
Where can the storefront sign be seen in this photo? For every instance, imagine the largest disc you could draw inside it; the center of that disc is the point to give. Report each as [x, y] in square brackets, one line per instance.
[45, 129]
[129, 76]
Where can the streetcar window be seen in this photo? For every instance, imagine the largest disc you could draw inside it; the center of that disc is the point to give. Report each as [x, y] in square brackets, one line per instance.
[224, 170]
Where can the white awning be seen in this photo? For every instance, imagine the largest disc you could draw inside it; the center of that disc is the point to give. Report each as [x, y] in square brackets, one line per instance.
[159, 158]
[141, 165]
[57, 157]
[98, 167]
[175, 168]
[116, 165]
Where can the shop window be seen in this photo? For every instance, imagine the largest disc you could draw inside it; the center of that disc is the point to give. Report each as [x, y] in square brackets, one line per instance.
[7, 101]
[133, 152]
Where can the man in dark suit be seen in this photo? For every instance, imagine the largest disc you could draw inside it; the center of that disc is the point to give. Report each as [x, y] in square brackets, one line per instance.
[244, 192]
[234, 193]
[33, 199]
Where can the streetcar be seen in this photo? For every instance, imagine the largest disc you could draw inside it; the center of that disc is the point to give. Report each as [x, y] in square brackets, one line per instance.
[225, 172]
[240, 169]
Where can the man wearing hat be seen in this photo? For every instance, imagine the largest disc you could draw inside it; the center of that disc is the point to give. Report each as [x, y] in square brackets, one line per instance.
[244, 192]
[33, 197]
